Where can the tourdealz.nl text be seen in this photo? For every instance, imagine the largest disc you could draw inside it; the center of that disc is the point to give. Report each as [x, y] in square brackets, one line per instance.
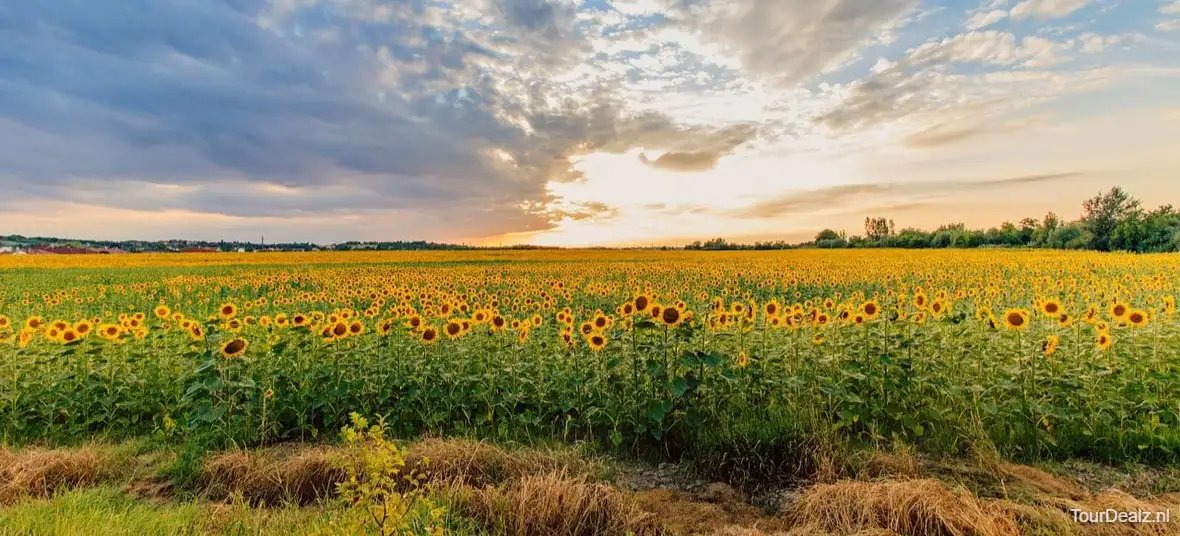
[1110, 515]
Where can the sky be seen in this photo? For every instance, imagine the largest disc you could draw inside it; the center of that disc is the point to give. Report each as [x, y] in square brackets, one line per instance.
[576, 122]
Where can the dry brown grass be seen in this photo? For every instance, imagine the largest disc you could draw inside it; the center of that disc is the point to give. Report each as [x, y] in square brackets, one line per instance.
[1117, 500]
[272, 476]
[554, 504]
[40, 472]
[480, 464]
[910, 507]
[1043, 482]
[901, 463]
[304, 474]
[682, 514]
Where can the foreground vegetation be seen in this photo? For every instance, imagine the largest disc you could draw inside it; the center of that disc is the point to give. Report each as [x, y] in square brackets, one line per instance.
[464, 487]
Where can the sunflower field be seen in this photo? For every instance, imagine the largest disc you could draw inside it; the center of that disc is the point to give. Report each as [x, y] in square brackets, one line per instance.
[1036, 354]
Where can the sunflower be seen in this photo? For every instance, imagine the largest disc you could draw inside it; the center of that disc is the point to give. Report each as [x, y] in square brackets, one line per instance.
[234, 348]
[1016, 319]
[338, 330]
[1137, 318]
[498, 323]
[356, 328]
[109, 332]
[742, 359]
[567, 339]
[453, 329]
[596, 342]
[870, 309]
[196, 332]
[162, 312]
[429, 335]
[299, 320]
[1050, 345]
[1104, 341]
[937, 307]
[385, 327]
[69, 335]
[642, 302]
[227, 310]
[34, 322]
[1091, 314]
[671, 316]
[83, 328]
[1118, 310]
[1051, 308]
[4, 322]
[1064, 320]
[771, 308]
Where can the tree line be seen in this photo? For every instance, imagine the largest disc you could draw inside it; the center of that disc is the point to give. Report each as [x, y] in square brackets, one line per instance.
[1110, 221]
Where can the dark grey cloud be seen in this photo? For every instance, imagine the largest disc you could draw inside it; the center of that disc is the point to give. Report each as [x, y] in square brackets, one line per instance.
[700, 161]
[248, 108]
[700, 149]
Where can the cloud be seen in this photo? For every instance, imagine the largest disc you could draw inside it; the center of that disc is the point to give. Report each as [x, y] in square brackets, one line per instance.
[942, 134]
[851, 194]
[810, 201]
[923, 87]
[788, 41]
[701, 149]
[1046, 9]
[683, 161]
[1097, 44]
[1171, 8]
[285, 109]
[983, 19]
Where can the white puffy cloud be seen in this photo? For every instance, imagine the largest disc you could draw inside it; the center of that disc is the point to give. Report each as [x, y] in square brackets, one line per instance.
[983, 19]
[1046, 9]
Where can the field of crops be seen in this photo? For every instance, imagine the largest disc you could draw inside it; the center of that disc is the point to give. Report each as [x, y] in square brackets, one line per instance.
[1035, 354]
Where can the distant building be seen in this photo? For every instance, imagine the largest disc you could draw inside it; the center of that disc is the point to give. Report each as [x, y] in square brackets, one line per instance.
[72, 250]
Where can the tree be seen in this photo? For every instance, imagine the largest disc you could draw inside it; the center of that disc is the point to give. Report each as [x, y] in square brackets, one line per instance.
[1069, 236]
[877, 229]
[1103, 213]
[1040, 236]
[827, 234]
